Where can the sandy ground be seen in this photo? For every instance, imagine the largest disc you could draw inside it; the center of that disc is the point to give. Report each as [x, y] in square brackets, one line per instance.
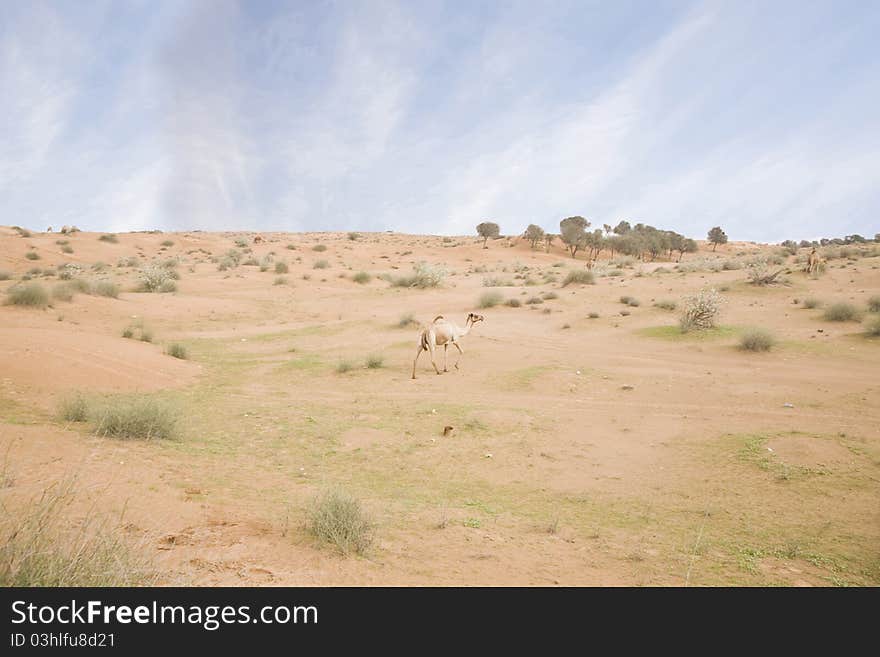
[603, 451]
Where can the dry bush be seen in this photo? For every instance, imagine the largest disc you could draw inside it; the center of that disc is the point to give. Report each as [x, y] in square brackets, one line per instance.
[579, 277]
[337, 518]
[842, 312]
[761, 274]
[424, 276]
[490, 299]
[701, 310]
[42, 545]
[74, 408]
[154, 278]
[137, 419]
[32, 295]
[757, 339]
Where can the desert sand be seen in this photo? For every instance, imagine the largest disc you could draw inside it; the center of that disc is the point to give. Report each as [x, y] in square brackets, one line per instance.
[612, 450]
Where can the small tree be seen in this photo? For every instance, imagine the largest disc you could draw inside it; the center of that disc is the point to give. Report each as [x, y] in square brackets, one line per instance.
[486, 230]
[622, 228]
[534, 234]
[548, 241]
[717, 236]
[573, 232]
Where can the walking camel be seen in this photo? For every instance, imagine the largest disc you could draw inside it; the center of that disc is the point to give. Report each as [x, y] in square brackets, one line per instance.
[443, 332]
[813, 262]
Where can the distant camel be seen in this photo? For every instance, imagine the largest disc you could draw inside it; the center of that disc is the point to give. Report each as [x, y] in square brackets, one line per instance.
[813, 262]
[257, 239]
[441, 331]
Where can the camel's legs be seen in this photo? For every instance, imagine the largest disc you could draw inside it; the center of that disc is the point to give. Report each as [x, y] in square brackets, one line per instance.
[460, 354]
[445, 357]
[418, 353]
[433, 360]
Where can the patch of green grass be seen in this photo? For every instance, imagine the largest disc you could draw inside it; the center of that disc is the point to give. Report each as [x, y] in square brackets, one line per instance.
[337, 518]
[136, 419]
[31, 295]
[675, 333]
[490, 299]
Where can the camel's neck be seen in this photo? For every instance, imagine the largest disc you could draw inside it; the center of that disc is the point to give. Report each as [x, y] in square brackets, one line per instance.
[467, 327]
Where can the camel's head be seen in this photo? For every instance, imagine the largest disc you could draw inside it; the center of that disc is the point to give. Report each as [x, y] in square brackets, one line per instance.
[473, 318]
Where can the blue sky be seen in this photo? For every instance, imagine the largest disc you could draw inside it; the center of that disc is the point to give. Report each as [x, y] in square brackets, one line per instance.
[431, 117]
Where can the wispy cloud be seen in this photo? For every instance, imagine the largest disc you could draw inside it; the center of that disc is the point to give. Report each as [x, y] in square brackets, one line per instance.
[430, 118]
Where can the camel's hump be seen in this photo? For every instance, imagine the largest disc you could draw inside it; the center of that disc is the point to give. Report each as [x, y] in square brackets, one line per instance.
[438, 317]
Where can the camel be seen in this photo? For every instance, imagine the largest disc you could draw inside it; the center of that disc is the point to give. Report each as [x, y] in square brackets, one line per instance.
[443, 332]
[813, 262]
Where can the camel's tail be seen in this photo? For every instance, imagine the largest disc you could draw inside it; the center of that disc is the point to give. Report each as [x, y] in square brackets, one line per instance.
[438, 317]
[423, 339]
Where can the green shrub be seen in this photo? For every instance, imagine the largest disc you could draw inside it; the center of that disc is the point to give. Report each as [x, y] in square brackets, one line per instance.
[841, 312]
[112, 239]
[5, 275]
[549, 296]
[280, 280]
[874, 304]
[812, 302]
[513, 303]
[579, 277]
[337, 518]
[128, 332]
[74, 408]
[593, 315]
[320, 248]
[490, 299]
[321, 264]
[105, 289]
[629, 301]
[534, 301]
[167, 243]
[362, 277]
[423, 276]
[32, 255]
[375, 361]
[66, 249]
[666, 305]
[27, 294]
[344, 366]
[177, 350]
[873, 327]
[757, 339]
[63, 292]
[136, 419]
